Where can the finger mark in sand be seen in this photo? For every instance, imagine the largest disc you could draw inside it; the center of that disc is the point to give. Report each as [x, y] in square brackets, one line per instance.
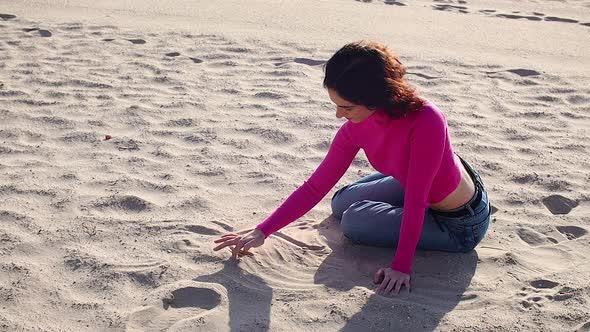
[585, 24]
[196, 60]
[136, 41]
[558, 204]
[7, 17]
[298, 243]
[108, 39]
[172, 54]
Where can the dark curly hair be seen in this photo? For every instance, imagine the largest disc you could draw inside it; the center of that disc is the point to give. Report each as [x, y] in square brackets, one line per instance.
[368, 73]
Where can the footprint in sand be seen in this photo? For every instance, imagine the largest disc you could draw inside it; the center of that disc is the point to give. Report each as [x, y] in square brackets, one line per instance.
[309, 62]
[517, 17]
[493, 209]
[190, 307]
[42, 33]
[520, 72]
[136, 41]
[584, 327]
[541, 291]
[558, 204]
[550, 235]
[559, 19]
[7, 17]
[396, 3]
[451, 8]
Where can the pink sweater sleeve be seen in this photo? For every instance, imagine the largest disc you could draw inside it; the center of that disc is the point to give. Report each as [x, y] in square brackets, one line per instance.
[311, 192]
[427, 144]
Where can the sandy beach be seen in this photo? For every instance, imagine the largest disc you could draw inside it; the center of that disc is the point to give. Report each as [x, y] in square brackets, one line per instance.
[134, 133]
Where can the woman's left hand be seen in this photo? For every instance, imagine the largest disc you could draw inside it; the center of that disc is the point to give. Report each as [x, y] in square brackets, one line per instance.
[390, 279]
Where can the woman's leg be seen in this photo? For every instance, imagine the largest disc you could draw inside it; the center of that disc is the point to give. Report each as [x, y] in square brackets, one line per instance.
[378, 224]
[375, 187]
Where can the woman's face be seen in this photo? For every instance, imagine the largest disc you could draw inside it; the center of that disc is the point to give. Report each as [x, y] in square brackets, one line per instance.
[345, 109]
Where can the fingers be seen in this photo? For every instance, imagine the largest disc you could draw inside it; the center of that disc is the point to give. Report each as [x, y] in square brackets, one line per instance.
[242, 253]
[407, 284]
[384, 284]
[226, 243]
[378, 277]
[226, 237]
[237, 244]
[398, 286]
[236, 250]
[391, 284]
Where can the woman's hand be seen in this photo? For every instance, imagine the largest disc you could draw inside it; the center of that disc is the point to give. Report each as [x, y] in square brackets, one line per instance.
[241, 243]
[390, 279]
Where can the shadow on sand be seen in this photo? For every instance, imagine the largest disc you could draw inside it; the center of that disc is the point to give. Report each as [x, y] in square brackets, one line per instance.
[439, 282]
[249, 297]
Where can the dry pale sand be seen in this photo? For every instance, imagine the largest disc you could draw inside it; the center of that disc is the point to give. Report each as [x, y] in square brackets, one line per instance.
[215, 113]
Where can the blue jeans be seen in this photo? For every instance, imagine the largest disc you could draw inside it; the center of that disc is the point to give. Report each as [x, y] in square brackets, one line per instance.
[371, 211]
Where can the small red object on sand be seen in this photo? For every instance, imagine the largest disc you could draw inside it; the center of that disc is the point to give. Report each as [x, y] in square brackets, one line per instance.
[107, 137]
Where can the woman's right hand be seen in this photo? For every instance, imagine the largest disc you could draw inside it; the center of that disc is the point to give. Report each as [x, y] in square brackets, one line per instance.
[241, 243]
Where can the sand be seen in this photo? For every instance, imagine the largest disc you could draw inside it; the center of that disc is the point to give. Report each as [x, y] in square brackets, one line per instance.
[133, 134]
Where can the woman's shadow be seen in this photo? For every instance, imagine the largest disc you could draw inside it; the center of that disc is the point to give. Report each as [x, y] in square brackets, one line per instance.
[438, 283]
[249, 297]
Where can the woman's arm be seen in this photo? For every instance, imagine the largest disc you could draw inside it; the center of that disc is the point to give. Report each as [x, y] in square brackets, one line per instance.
[427, 144]
[339, 157]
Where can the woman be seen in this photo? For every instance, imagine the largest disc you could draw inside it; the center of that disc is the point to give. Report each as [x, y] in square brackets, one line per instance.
[423, 195]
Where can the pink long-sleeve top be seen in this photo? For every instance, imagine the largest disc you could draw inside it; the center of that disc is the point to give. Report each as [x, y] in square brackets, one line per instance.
[415, 149]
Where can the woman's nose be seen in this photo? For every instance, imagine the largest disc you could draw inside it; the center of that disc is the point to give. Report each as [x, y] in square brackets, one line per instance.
[339, 113]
